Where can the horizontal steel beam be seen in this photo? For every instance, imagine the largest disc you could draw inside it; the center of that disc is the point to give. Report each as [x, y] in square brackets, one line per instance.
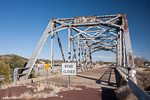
[101, 47]
[96, 38]
[99, 43]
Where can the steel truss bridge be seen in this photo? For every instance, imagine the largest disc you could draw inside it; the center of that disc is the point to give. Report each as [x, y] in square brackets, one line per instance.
[86, 35]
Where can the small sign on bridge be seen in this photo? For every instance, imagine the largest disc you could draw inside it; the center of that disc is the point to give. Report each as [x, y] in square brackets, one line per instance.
[85, 19]
[69, 69]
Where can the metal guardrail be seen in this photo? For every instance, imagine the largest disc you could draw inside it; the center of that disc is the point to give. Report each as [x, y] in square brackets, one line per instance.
[123, 71]
[140, 94]
[16, 75]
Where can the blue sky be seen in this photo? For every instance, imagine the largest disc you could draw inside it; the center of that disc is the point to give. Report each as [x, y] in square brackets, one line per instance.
[22, 23]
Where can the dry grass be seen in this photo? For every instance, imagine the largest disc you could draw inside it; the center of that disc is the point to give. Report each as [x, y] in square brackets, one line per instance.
[40, 87]
[148, 68]
[124, 93]
[27, 95]
[5, 86]
[143, 80]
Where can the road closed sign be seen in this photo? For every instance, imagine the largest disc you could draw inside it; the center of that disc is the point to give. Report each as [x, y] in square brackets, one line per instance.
[69, 69]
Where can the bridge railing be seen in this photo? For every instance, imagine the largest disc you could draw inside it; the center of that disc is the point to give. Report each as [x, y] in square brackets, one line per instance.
[139, 93]
[16, 75]
[123, 71]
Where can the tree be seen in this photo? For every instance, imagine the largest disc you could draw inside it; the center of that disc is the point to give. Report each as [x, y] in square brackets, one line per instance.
[4, 70]
[100, 62]
[140, 61]
[15, 62]
[144, 60]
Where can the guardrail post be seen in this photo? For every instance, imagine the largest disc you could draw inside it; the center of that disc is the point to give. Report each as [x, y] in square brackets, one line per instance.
[15, 75]
[128, 71]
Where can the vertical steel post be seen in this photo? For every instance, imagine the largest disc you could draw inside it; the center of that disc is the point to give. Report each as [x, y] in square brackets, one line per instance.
[117, 54]
[124, 54]
[74, 51]
[82, 52]
[90, 56]
[85, 58]
[52, 52]
[69, 52]
[127, 42]
[129, 55]
[78, 49]
[69, 45]
[120, 43]
[82, 58]
[118, 51]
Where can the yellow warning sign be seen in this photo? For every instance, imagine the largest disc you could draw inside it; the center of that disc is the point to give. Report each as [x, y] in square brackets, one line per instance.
[47, 66]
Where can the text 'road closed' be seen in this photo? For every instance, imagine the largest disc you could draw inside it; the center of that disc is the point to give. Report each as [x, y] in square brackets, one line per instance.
[68, 68]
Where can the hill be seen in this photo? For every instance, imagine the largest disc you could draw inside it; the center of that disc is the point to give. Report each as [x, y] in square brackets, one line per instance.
[10, 56]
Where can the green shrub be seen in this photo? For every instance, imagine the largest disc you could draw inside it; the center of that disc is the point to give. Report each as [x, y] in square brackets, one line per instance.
[15, 62]
[5, 70]
[32, 75]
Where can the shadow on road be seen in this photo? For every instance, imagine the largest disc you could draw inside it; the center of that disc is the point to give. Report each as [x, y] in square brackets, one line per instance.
[107, 93]
[105, 78]
[86, 77]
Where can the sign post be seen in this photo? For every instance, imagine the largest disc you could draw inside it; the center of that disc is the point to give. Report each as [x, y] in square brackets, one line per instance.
[47, 67]
[69, 69]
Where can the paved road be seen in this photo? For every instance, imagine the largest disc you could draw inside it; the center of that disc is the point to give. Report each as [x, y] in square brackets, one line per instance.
[96, 78]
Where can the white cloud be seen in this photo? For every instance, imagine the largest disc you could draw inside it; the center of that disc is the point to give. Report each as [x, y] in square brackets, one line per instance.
[135, 52]
[112, 57]
[134, 56]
